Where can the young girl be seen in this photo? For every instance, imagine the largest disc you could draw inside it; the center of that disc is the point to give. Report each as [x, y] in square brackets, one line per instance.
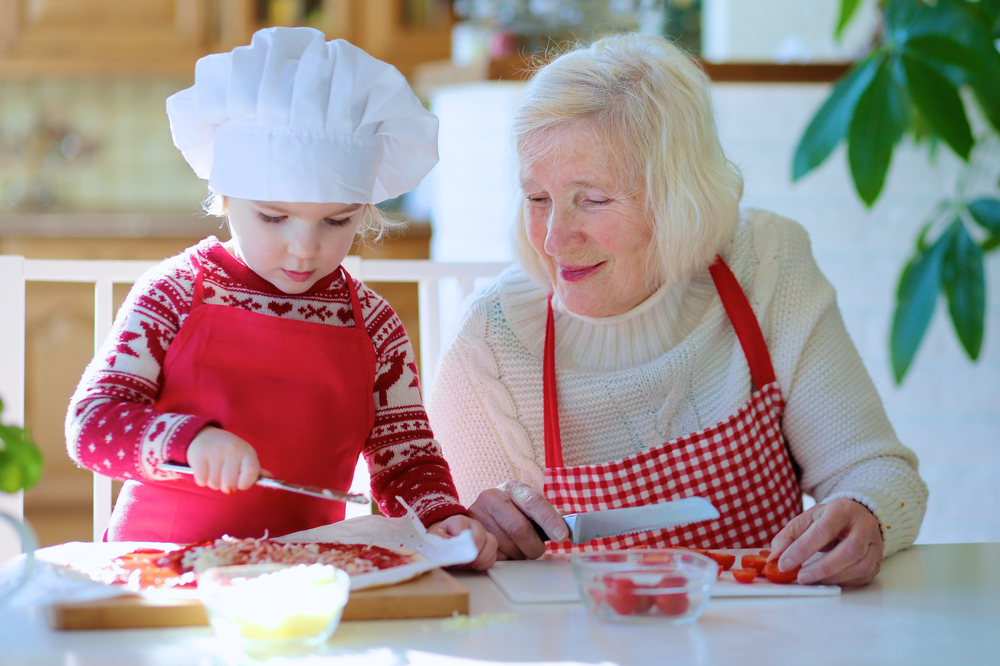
[262, 353]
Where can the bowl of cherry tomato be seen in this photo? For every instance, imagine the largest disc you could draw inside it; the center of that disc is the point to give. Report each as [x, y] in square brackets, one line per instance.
[664, 585]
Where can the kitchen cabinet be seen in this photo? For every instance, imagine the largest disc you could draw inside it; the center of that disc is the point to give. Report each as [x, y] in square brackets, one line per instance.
[166, 37]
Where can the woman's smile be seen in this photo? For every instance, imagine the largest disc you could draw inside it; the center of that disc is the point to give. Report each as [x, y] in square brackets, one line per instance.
[577, 273]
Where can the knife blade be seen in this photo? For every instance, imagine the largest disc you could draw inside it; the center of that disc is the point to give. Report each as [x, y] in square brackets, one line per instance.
[584, 527]
[267, 482]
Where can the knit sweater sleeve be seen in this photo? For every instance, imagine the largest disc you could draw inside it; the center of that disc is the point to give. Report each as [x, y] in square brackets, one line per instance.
[404, 459]
[834, 420]
[111, 426]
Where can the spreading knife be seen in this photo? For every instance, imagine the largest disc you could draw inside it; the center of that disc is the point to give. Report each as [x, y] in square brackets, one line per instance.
[584, 527]
[267, 482]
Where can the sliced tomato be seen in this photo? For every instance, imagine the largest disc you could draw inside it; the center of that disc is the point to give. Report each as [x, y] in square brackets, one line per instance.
[744, 575]
[765, 552]
[776, 575]
[753, 562]
[724, 560]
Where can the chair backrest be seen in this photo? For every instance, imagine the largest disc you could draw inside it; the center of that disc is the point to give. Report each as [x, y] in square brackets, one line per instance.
[439, 284]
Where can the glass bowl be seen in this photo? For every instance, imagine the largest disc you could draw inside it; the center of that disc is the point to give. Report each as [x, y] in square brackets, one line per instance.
[274, 605]
[663, 585]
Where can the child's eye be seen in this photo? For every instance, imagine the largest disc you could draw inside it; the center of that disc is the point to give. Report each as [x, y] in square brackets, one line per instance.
[337, 221]
[270, 219]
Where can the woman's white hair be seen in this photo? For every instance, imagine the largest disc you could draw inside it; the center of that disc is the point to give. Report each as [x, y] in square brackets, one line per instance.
[650, 102]
[375, 225]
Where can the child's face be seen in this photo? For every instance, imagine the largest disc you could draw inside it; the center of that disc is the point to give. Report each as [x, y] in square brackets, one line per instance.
[292, 245]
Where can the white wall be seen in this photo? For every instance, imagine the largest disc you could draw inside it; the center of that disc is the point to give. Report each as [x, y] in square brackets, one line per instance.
[948, 409]
[783, 30]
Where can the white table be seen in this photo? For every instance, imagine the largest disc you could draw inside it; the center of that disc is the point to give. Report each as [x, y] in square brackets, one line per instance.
[932, 604]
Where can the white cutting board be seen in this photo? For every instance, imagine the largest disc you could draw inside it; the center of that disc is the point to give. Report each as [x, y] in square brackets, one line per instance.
[551, 580]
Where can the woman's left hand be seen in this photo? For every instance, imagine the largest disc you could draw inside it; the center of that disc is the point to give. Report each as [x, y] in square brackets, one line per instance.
[845, 530]
[485, 542]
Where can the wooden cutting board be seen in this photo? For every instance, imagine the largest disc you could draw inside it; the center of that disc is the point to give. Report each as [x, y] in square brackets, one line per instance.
[434, 594]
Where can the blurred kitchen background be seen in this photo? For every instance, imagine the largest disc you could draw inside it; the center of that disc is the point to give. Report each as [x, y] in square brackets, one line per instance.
[88, 171]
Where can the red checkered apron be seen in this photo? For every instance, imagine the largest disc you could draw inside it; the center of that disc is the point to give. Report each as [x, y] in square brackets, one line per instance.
[741, 464]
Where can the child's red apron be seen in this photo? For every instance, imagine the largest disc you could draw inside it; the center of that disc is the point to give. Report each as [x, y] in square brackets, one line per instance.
[299, 392]
[741, 464]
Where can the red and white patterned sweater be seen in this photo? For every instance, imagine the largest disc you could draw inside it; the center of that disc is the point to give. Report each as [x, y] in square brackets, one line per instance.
[111, 427]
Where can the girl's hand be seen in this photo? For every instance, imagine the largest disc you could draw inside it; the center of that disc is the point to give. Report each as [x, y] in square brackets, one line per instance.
[222, 461]
[485, 542]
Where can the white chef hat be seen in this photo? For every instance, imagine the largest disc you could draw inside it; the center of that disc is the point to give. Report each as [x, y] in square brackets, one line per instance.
[295, 118]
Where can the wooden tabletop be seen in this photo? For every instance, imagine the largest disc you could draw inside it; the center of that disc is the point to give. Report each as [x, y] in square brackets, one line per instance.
[932, 604]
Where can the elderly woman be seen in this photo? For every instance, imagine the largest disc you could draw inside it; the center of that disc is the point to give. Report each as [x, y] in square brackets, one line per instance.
[653, 343]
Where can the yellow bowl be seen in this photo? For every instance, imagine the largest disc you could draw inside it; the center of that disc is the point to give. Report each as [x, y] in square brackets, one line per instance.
[274, 605]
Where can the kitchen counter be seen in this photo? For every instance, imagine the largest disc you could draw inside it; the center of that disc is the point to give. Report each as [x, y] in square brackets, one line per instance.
[932, 604]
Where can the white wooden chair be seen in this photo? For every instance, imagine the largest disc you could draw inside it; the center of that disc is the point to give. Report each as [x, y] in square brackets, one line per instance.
[15, 271]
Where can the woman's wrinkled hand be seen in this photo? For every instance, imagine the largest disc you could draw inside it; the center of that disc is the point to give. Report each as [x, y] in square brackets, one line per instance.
[485, 542]
[507, 511]
[222, 461]
[846, 532]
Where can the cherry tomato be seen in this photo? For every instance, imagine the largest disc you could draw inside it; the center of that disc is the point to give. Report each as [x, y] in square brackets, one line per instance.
[672, 604]
[765, 552]
[744, 575]
[753, 562]
[619, 593]
[776, 575]
[643, 602]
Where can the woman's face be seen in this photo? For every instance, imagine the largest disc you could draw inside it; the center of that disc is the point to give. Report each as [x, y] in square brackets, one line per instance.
[291, 245]
[587, 224]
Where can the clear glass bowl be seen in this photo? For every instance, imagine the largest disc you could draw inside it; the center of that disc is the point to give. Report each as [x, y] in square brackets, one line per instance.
[663, 585]
[263, 606]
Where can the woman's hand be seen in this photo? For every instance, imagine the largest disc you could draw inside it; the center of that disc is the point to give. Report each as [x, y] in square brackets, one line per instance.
[222, 461]
[485, 542]
[507, 511]
[848, 534]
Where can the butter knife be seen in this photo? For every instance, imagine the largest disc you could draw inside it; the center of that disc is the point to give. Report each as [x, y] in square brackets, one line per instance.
[267, 482]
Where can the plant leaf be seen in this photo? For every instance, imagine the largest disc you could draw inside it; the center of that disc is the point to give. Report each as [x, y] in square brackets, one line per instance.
[848, 8]
[916, 298]
[938, 101]
[946, 51]
[880, 119]
[831, 122]
[964, 282]
[987, 213]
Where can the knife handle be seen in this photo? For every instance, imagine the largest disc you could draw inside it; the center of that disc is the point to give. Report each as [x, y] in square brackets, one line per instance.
[539, 531]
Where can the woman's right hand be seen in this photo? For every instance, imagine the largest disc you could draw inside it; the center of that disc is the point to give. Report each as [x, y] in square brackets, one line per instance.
[222, 461]
[507, 511]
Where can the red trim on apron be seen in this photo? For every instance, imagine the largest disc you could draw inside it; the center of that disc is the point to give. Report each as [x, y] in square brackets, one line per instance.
[301, 393]
[740, 464]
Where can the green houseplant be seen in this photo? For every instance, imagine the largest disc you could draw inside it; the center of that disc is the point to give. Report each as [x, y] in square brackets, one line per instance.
[20, 459]
[929, 62]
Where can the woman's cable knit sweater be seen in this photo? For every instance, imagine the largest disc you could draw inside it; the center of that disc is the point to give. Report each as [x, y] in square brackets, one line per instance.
[669, 367]
[111, 427]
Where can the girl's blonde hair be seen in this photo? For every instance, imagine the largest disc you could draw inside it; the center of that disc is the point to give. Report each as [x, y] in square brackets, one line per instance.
[650, 103]
[375, 225]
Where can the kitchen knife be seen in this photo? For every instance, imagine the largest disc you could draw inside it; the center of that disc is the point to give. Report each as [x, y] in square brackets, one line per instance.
[584, 527]
[266, 482]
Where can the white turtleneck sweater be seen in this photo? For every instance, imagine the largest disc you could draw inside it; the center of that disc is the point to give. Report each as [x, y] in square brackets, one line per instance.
[667, 368]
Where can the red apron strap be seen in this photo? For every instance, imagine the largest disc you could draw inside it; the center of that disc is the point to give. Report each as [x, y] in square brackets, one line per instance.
[745, 322]
[359, 316]
[553, 441]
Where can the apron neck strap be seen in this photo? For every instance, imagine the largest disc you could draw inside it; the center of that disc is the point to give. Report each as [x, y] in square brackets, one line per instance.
[553, 440]
[359, 318]
[741, 315]
[744, 321]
